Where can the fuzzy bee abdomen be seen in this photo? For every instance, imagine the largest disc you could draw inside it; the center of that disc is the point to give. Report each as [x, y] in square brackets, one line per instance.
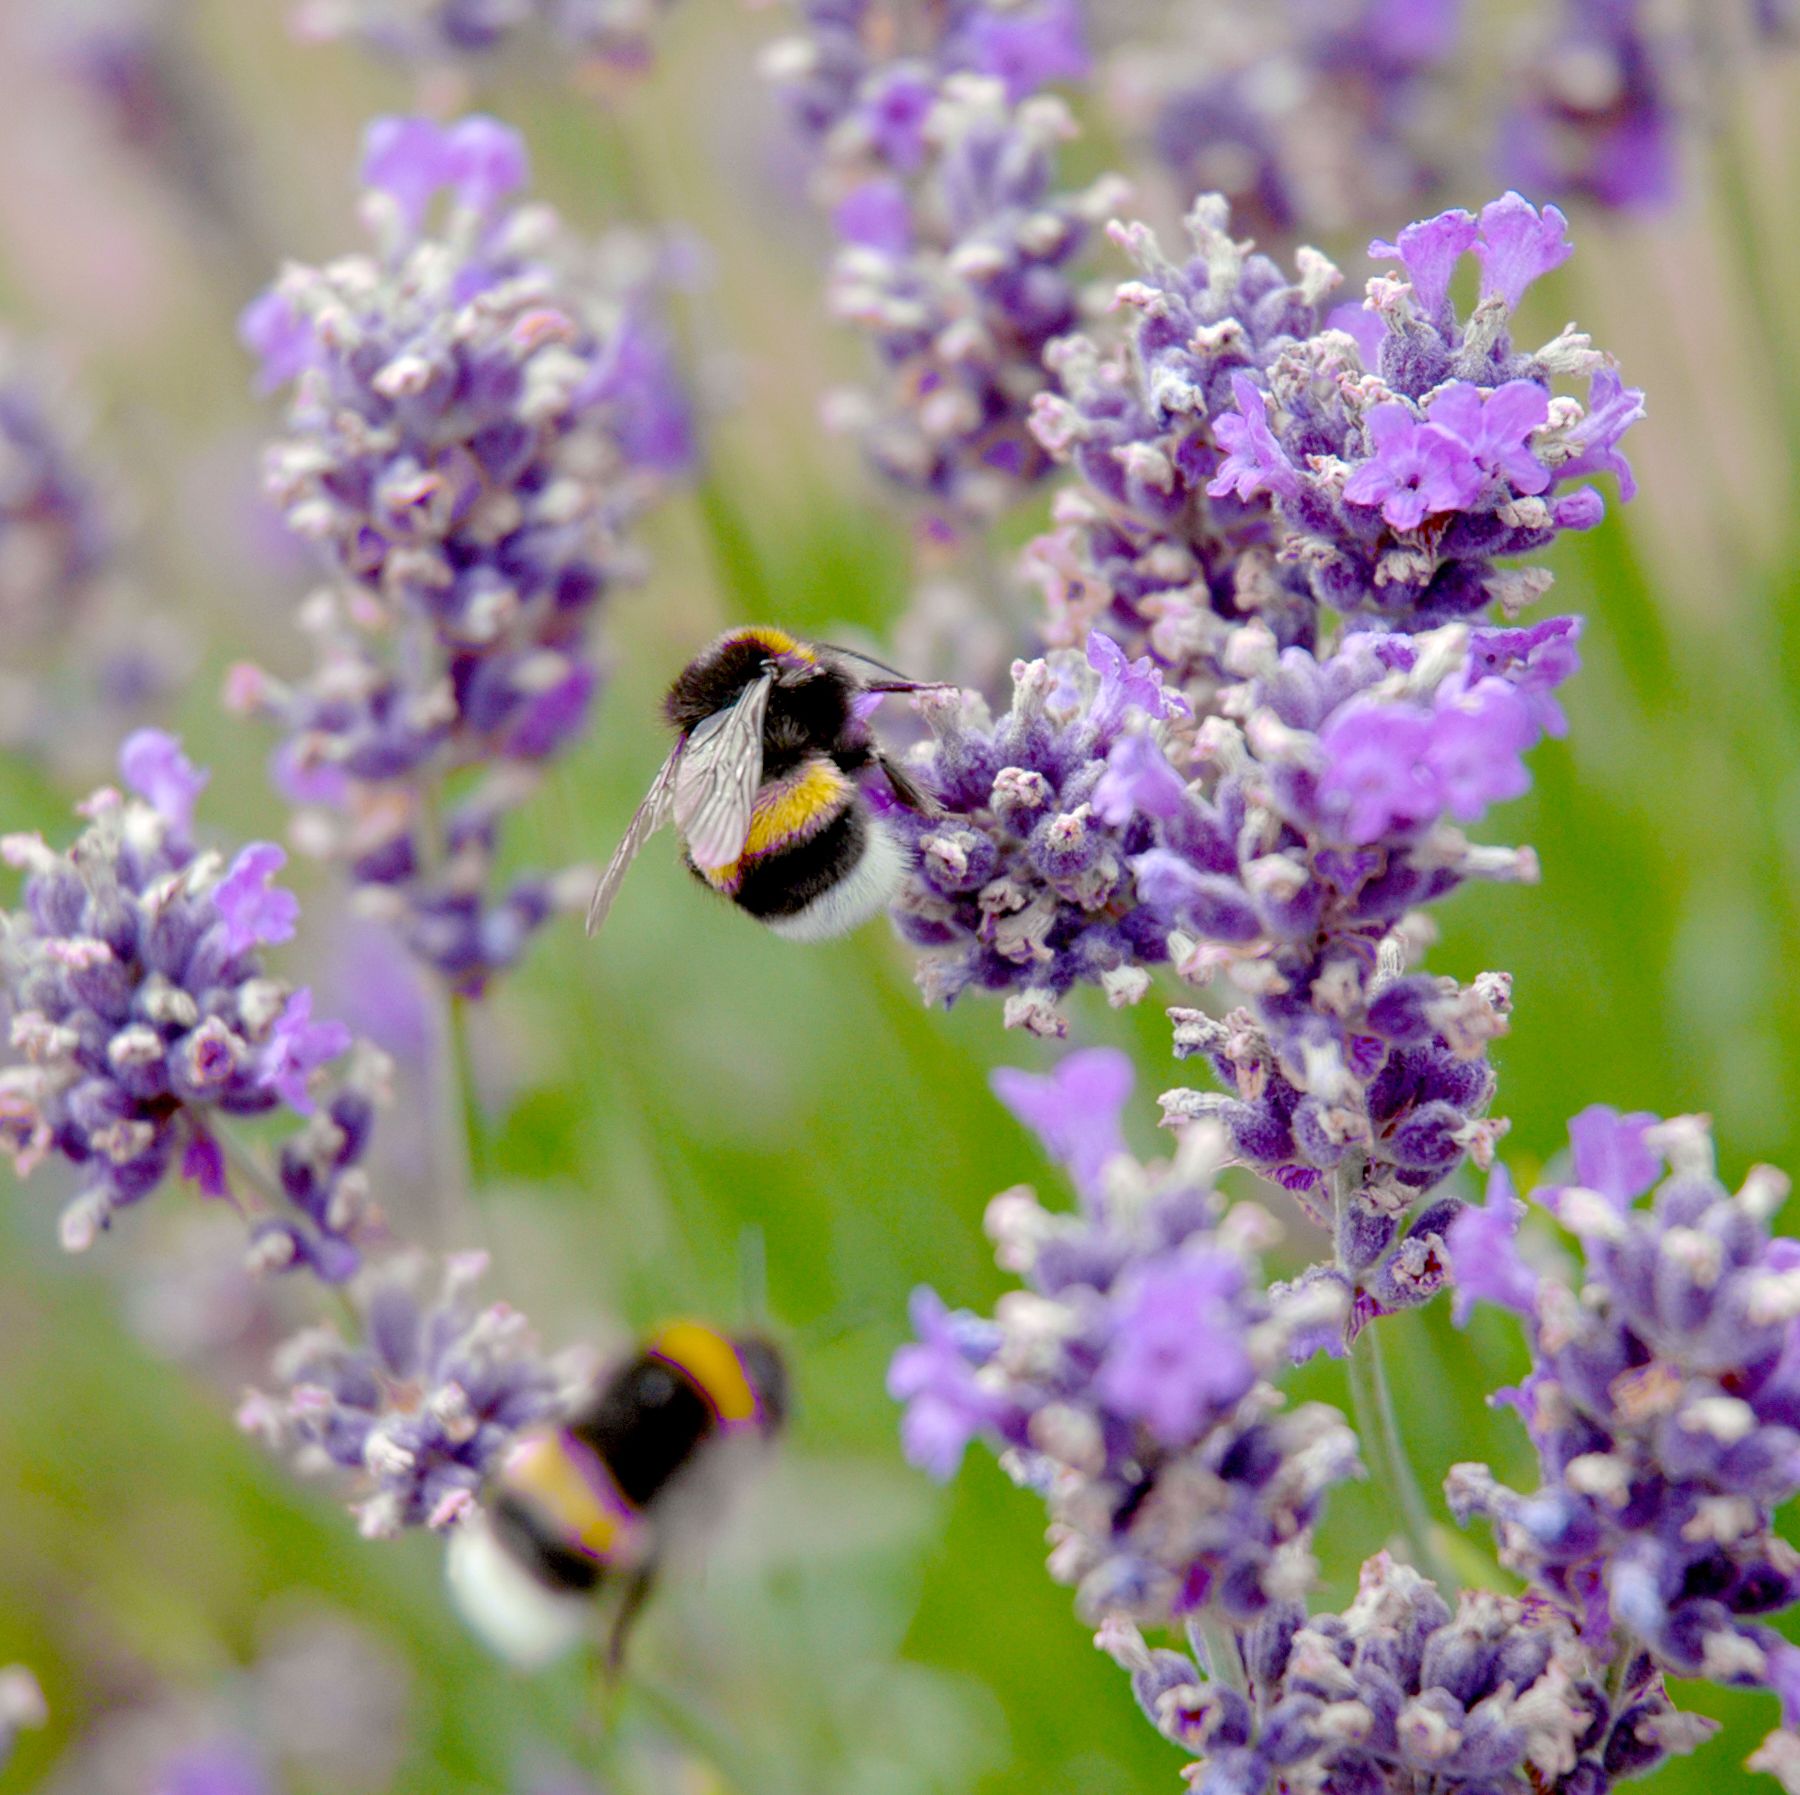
[803, 819]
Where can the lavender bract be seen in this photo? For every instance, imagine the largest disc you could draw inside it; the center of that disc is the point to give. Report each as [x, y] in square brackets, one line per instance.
[1126, 1383]
[148, 1023]
[473, 434]
[1663, 1402]
[1399, 1692]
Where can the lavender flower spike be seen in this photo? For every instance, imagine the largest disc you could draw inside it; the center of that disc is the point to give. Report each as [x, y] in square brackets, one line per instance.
[1127, 1385]
[472, 435]
[935, 155]
[618, 34]
[1664, 1404]
[1399, 1692]
[147, 1020]
[421, 1407]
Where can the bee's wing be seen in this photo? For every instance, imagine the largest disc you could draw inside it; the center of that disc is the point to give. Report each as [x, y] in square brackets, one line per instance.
[716, 780]
[652, 814]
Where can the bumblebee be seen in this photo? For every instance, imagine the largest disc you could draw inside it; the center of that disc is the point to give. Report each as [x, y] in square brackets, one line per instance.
[762, 785]
[591, 1507]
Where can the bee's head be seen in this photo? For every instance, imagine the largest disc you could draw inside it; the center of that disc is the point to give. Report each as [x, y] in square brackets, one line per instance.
[766, 1369]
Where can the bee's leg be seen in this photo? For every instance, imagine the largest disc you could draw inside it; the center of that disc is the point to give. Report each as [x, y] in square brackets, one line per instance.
[910, 793]
[638, 1585]
[913, 685]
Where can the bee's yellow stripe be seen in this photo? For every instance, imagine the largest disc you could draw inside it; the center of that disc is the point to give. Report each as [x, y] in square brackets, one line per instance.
[773, 641]
[712, 1362]
[572, 1490]
[785, 810]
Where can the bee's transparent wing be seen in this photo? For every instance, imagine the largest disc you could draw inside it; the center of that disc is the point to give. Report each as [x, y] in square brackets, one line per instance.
[652, 814]
[716, 781]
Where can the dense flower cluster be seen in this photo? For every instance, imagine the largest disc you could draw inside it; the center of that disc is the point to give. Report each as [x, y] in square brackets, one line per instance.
[618, 34]
[472, 436]
[421, 1406]
[1663, 1401]
[147, 1021]
[1284, 847]
[1127, 1383]
[935, 155]
[1399, 1693]
[1246, 453]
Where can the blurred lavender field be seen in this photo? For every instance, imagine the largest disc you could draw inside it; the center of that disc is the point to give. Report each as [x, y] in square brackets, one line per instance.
[687, 1099]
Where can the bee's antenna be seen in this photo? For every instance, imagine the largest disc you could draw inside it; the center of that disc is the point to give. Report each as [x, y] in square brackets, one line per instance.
[868, 660]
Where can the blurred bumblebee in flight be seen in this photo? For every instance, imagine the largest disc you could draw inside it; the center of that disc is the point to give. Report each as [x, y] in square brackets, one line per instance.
[585, 1513]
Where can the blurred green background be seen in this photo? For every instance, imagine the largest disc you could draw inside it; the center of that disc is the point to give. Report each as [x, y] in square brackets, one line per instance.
[690, 1078]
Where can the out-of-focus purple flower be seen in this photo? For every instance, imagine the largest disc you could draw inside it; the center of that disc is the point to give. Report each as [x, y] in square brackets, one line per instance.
[256, 911]
[152, 764]
[1075, 1110]
[1376, 775]
[224, 1765]
[933, 151]
[1177, 1360]
[147, 1021]
[421, 1407]
[1484, 1253]
[297, 1046]
[946, 1404]
[469, 460]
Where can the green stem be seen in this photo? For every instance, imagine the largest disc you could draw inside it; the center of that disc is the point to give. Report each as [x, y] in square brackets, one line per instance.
[1217, 1640]
[1748, 238]
[1378, 1427]
[465, 1120]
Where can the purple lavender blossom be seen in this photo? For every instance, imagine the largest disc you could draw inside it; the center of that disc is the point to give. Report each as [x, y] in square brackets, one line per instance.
[934, 155]
[1239, 455]
[472, 438]
[1399, 1692]
[147, 1020]
[1281, 850]
[1075, 1109]
[1128, 1388]
[1663, 1402]
[420, 1408]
